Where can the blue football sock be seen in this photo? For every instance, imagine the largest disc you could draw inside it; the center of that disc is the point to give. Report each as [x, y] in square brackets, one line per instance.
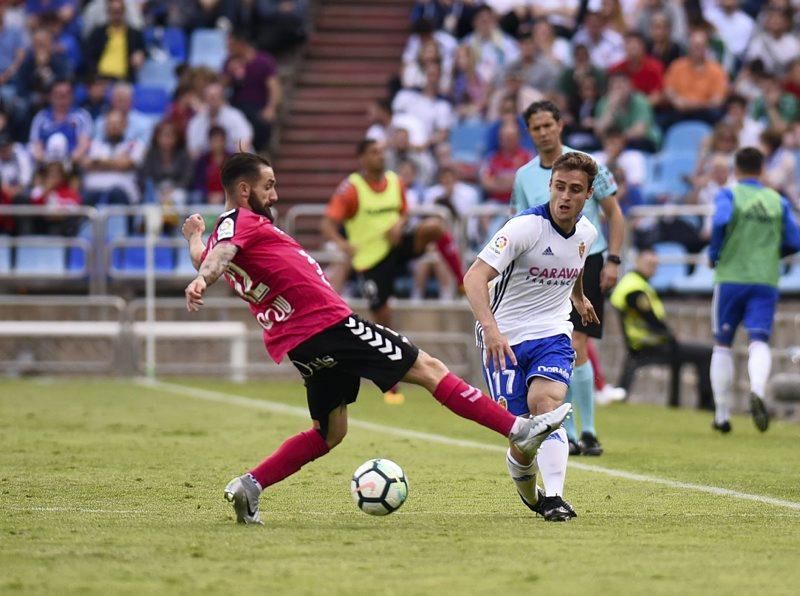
[582, 389]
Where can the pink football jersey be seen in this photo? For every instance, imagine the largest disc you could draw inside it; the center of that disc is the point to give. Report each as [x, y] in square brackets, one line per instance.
[285, 288]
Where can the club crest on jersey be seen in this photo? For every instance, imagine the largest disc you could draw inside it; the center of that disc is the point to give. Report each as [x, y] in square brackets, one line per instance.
[499, 244]
[502, 402]
[225, 229]
[581, 249]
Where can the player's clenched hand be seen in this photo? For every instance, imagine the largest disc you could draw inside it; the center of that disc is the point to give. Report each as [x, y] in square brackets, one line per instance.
[194, 224]
[586, 311]
[497, 348]
[194, 294]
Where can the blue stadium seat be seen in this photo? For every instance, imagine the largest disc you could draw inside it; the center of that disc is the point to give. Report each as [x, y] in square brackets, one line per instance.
[170, 40]
[150, 100]
[468, 141]
[5, 259]
[699, 281]
[76, 259]
[158, 73]
[131, 259]
[39, 259]
[790, 281]
[208, 47]
[670, 173]
[667, 273]
[685, 137]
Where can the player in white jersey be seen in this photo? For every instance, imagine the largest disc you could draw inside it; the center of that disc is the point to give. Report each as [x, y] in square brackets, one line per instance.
[520, 288]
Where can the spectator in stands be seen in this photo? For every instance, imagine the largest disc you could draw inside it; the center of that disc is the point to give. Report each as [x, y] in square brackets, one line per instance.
[238, 131]
[514, 86]
[425, 43]
[212, 14]
[628, 167]
[579, 116]
[606, 46]
[207, 171]
[775, 108]
[95, 14]
[780, 165]
[661, 44]
[570, 79]
[167, 160]
[96, 101]
[137, 125]
[399, 149]
[748, 80]
[498, 170]
[64, 10]
[722, 141]
[560, 15]
[773, 42]
[733, 25]
[65, 40]
[434, 113]
[645, 72]
[16, 167]
[110, 167]
[61, 127]
[674, 14]
[736, 114]
[453, 17]
[630, 111]
[647, 334]
[55, 190]
[40, 68]
[379, 116]
[256, 86]
[12, 52]
[549, 45]
[539, 70]
[695, 86]
[456, 196]
[494, 50]
[185, 104]
[115, 50]
[717, 175]
[791, 83]
[470, 89]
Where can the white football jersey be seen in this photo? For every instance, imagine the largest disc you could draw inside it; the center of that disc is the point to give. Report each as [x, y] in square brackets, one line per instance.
[538, 266]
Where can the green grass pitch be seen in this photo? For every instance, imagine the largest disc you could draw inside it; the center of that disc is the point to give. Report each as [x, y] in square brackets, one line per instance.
[113, 487]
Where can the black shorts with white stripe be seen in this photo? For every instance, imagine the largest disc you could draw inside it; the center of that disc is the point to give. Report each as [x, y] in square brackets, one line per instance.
[334, 361]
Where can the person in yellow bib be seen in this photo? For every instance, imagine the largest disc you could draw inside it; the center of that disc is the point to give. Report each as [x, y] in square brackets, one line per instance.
[644, 323]
[371, 206]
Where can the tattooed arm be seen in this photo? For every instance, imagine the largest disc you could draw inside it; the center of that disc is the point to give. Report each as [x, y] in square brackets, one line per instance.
[210, 271]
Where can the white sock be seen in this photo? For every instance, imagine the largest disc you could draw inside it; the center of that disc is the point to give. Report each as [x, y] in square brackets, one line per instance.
[552, 461]
[524, 478]
[759, 364]
[722, 382]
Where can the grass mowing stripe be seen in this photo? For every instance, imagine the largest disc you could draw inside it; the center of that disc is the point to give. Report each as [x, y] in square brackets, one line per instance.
[269, 406]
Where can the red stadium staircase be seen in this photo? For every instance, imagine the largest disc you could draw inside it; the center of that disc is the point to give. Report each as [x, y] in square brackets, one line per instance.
[354, 51]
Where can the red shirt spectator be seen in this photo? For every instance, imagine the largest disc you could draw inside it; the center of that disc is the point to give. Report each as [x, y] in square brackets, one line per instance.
[645, 72]
[498, 171]
[55, 190]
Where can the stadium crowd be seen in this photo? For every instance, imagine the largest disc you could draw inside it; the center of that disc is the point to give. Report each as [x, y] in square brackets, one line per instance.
[127, 101]
[661, 91]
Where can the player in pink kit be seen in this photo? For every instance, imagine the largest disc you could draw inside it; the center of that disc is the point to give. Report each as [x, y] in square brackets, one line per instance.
[304, 318]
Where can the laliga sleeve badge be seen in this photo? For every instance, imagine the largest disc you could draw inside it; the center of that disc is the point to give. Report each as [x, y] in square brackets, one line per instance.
[225, 229]
[499, 244]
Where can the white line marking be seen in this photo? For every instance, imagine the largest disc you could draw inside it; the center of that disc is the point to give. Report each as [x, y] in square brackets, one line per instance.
[279, 408]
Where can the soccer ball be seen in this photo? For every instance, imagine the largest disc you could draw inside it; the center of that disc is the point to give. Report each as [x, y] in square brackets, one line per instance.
[379, 487]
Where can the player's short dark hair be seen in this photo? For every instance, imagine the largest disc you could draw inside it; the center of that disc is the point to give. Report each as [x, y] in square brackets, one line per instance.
[576, 161]
[749, 161]
[241, 166]
[541, 106]
[363, 145]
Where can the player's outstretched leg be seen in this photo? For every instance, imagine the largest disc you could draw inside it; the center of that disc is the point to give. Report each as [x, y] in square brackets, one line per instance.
[722, 373]
[468, 402]
[243, 492]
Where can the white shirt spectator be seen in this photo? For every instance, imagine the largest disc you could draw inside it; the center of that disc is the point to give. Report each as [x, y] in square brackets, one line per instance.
[735, 29]
[434, 113]
[632, 162]
[125, 180]
[17, 170]
[236, 126]
[493, 55]
[140, 127]
[413, 75]
[607, 51]
[550, 6]
[774, 53]
[417, 133]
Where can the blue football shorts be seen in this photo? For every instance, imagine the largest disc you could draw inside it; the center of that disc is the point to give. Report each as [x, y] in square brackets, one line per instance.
[550, 357]
[750, 304]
